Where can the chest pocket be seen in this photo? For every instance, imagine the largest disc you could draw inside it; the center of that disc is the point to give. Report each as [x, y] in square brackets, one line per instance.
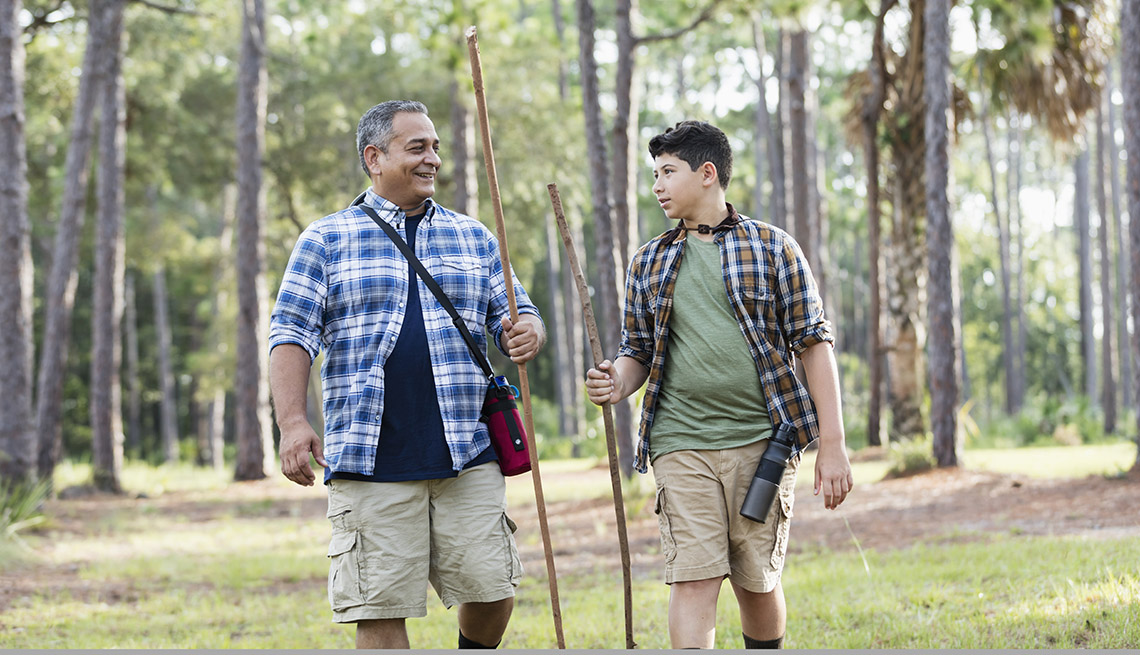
[465, 280]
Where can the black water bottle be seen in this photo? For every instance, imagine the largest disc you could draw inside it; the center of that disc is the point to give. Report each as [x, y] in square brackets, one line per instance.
[766, 481]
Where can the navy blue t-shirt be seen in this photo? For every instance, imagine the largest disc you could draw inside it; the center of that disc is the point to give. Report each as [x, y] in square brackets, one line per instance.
[412, 445]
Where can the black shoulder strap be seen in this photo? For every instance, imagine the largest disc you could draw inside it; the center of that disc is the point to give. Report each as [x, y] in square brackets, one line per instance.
[432, 285]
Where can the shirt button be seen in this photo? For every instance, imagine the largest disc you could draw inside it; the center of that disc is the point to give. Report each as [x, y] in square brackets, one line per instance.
[401, 304]
[393, 338]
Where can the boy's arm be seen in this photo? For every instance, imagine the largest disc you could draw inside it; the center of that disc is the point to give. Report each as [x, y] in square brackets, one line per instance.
[832, 468]
[611, 382]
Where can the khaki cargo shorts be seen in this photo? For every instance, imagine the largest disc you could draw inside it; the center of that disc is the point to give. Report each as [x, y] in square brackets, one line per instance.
[703, 535]
[390, 539]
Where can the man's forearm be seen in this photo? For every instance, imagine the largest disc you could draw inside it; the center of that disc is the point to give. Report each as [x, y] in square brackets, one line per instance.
[823, 383]
[289, 367]
[632, 375]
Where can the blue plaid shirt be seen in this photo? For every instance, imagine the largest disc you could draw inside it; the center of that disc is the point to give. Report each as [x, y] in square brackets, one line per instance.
[344, 291]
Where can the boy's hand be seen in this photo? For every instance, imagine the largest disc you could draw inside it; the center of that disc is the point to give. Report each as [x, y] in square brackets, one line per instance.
[832, 474]
[603, 384]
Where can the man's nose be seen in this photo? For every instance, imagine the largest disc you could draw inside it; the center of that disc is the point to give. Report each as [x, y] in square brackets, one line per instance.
[434, 159]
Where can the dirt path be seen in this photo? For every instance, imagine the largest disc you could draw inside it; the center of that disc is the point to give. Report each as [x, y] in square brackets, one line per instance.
[935, 507]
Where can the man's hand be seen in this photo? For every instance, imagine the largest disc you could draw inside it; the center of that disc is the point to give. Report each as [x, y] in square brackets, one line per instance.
[832, 473]
[522, 340]
[603, 384]
[297, 441]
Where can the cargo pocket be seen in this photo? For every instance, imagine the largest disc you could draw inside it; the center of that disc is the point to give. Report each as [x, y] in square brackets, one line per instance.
[783, 523]
[515, 565]
[344, 571]
[668, 544]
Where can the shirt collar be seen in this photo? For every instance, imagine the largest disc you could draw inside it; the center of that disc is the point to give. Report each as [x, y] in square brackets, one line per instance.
[390, 212]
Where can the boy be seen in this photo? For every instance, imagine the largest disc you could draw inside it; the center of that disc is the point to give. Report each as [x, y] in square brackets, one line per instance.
[729, 300]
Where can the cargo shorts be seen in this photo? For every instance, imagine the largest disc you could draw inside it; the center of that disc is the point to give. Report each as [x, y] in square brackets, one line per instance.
[391, 539]
[703, 535]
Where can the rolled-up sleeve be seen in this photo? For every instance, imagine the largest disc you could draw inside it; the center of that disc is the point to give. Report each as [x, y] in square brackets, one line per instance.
[637, 328]
[298, 315]
[499, 303]
[801, 307]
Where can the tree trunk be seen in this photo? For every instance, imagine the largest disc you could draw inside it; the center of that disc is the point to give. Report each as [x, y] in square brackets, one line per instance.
[776, 140]
[169, 414]
[603, 218]
[1130, 85]
[254, 430]
[1108, 352]
[1123, 295]
[872, 110]
[215, 413]
[463, 154]
[134, 393]
[761, 125]
[805, 228]
[1009, 349]
[576, 343]
[906, 283]
[1084, 257]
[17, 432]
[1014, 196]
[560, 31]
[564, 374]
[61, 283]
[940, 236]
[107, 315]
[625, 137]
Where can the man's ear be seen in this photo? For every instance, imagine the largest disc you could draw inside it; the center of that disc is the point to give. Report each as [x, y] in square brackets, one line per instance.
[372, 156]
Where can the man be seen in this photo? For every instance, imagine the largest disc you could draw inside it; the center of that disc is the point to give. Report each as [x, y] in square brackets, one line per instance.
[715, 309]
[415, 493]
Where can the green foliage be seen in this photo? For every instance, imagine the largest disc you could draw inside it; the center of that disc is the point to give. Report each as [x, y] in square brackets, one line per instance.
[21, 509]
[1047, 420]
[910, 457]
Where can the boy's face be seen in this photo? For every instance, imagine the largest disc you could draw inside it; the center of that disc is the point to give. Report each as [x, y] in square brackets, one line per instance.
[678, 188]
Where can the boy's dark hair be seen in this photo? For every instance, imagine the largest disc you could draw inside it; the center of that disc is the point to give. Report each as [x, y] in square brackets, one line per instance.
[696, 142]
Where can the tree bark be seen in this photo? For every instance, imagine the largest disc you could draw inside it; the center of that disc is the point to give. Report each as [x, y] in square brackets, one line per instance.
[761, 125]
[1107, 349]
[940, 235]
[805, 228]
[134, 393]
[576, 344]
[463, 154]
[17, 432]
[60, 298]
[906, 283]
[169, 406]
[1123, 296]
[604, 238]
[106, 392]
[1015, 219]
[254, 429]
[776, 139]
[1084, 258]
[872, 110]
[625, 140]
[1130, 85]
[564, 374]
[215, 414]
[1009, 349]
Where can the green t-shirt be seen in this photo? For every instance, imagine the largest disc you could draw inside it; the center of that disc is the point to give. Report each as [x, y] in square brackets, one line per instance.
[710, 398]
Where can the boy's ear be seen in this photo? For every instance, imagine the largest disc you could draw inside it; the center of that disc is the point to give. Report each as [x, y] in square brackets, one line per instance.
[709, 174]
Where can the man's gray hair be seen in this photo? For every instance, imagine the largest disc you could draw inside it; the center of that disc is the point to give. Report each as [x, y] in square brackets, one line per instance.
[375, 127]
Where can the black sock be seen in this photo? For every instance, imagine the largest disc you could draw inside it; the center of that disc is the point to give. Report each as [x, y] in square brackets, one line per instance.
[749, 642]
[464, 642]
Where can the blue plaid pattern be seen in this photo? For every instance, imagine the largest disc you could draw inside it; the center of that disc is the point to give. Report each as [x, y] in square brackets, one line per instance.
[776, 301]
[344, 291]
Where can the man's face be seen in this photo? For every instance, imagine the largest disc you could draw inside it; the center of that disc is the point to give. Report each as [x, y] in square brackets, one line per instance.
[405, 174]
[677, 186]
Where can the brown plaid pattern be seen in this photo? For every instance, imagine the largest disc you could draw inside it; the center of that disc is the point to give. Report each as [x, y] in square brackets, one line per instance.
[777, 305]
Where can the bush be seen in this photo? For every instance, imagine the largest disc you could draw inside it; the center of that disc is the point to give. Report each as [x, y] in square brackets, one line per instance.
[21, 507]
[911, 457]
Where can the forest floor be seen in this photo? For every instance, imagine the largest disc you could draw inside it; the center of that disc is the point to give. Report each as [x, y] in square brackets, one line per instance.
[936, 507]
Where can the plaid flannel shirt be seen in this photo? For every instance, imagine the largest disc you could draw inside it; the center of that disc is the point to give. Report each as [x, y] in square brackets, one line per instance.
[345, 289]
[777, 305]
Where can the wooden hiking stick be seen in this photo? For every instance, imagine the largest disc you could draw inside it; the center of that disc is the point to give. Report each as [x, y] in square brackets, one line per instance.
[524, 384]
[607, 409]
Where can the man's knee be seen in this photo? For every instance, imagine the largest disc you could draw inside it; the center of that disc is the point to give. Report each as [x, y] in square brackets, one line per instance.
[381, 633]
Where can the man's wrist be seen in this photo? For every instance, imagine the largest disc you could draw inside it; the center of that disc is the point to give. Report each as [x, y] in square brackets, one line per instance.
[291, 421]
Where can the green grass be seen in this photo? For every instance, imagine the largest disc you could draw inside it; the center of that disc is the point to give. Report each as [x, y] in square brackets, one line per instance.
[150, 576]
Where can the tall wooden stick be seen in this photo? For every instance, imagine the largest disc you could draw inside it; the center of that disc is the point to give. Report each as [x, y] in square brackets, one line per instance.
[607, 409]
[524, 384]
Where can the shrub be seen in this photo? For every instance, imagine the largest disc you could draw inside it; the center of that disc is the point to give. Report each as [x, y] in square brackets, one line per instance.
[21, 507]
[911, 457]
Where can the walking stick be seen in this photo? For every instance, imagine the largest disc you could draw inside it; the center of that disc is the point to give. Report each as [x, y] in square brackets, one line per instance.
[524, 385]
[607, 409]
